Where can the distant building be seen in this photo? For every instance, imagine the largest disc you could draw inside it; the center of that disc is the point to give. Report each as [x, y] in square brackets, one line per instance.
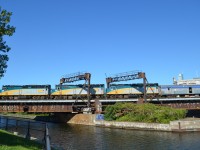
[181, 81]
[180, 76]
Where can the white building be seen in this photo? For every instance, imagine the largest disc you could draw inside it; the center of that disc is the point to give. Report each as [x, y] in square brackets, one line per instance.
[181, 81]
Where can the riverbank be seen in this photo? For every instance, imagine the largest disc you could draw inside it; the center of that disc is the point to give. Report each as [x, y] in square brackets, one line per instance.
[182, 125]
[18, 115]
[10, 141]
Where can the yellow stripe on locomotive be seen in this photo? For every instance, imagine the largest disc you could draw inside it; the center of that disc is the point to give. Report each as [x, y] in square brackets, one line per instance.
[135, 89]
[25, 91]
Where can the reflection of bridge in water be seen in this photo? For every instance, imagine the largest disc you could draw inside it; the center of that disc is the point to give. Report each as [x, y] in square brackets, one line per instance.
[69, 105]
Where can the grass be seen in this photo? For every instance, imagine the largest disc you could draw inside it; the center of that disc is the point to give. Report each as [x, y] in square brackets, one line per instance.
[9, 141]
[147, 112]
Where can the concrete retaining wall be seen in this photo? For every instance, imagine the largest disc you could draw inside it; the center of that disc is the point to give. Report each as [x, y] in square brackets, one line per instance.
[91, 119]
[134, 125]
[84, 119]
[188, 124]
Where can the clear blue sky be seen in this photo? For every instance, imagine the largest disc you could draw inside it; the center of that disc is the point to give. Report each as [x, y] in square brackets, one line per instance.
[57, 37]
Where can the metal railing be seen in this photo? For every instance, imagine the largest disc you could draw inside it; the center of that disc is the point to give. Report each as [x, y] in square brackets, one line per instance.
[29, 129]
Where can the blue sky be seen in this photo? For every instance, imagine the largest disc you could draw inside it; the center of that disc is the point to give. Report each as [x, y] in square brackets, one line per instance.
[58, 37]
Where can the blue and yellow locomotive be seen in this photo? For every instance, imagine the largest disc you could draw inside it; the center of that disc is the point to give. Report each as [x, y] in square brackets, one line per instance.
[74, 91]
[97, 91]
[25, 91]
[131, 90]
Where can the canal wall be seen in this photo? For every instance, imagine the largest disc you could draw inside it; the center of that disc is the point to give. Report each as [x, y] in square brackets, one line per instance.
[84, 119]
[187, 124]
[98, 120]
[134, 125]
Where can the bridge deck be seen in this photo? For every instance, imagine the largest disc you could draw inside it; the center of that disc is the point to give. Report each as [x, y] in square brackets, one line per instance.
[67, 105]
[101, 100]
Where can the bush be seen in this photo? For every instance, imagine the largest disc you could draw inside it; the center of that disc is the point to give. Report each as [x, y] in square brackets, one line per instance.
[143, 113]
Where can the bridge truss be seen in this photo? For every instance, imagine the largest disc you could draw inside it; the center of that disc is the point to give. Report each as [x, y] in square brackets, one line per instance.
[128, 76]
[77, 77]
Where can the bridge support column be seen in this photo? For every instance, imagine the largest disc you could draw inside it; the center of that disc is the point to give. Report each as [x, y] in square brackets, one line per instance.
[98, 107]
[140, 101]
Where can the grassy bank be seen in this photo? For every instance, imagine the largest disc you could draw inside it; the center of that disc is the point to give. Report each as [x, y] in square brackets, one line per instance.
[9, 141]
[148, 113]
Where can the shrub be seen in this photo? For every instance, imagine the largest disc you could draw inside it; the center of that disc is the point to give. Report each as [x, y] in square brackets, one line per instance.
[143, 113]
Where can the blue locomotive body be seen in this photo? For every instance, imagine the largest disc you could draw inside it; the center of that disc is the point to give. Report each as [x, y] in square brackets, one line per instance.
[74, 91]
[25, 91]
[131, 90]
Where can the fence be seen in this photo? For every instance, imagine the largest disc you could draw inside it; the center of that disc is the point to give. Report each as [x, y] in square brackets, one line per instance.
[32, 130]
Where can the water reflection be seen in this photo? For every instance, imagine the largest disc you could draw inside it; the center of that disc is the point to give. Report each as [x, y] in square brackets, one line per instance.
[88, 137]
[79, 137]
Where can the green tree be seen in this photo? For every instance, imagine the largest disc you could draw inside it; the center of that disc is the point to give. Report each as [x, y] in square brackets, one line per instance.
[5, 29]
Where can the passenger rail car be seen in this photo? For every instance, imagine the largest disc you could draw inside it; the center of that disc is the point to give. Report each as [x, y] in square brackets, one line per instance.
[180, 90]
[25, 91]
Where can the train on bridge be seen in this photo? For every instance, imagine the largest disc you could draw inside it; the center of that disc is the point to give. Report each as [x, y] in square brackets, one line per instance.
[97, 91]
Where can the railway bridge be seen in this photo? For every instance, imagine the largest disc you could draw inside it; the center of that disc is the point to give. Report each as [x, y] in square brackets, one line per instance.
[71, 106]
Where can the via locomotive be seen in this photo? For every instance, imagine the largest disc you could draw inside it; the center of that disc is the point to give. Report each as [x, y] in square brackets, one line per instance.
[97, 91]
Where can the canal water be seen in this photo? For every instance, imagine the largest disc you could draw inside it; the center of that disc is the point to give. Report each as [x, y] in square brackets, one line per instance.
[79, 137]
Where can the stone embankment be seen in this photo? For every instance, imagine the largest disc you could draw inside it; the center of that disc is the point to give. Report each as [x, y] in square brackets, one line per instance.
[188, 124]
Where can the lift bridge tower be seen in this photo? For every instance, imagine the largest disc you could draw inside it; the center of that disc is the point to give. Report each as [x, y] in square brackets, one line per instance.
[77, 77]
[132, 75]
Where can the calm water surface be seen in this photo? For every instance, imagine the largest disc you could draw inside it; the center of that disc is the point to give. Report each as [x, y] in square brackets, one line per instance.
[78, 137]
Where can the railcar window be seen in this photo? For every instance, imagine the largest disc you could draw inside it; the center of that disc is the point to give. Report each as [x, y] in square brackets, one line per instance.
[168, 89]
[190, 89]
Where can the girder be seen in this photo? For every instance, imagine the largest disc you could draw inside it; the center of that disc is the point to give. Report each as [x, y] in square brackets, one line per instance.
[128, 76]
[67, 105]
[124, 77]
[42, 108]
[188, 106]
[75, 77]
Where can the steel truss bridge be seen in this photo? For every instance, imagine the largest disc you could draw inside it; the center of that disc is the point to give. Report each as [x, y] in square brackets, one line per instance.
[53, 106]
[77, 105]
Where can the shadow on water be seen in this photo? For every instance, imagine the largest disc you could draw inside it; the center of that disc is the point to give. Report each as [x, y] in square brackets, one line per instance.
[56, 117]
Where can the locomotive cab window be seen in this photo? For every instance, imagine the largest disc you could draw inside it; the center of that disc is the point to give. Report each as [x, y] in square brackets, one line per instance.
[4, 89]
[190, 89]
